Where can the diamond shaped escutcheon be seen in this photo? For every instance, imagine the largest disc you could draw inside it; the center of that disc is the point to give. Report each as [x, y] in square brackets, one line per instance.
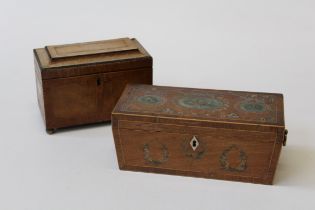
[194, 143]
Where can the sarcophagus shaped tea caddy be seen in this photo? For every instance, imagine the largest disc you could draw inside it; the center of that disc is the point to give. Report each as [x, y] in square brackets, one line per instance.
[217, 134]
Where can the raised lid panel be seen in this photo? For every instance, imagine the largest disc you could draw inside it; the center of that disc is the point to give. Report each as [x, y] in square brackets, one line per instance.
[90, 48]
[116, 54]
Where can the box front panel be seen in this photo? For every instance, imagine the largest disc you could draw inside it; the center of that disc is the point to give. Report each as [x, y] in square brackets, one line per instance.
[88, 99]
[195, 151]
[72, 101]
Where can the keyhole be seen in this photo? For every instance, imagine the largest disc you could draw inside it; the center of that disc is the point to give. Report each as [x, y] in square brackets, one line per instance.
[98, 81]
[194, 143]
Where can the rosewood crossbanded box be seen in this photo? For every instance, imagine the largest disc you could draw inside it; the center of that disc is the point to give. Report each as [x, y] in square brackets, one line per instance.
[80, 83]
[216, 134]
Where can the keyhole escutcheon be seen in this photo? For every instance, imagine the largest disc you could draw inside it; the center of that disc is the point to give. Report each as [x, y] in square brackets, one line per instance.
[98, 81]
[194, 143]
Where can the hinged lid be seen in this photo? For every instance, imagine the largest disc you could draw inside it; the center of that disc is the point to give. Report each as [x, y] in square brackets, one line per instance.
[116, 51]
[56, 52]
[200, 105]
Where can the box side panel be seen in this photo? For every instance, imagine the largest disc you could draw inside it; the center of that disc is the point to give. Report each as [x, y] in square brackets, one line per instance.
[219, 153]
[275, 155]
[118, 144]
[39, 89]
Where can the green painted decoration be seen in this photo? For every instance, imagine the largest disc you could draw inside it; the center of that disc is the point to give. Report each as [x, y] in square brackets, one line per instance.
[150, 160]
[225, 159]
[253, 106]
[150, 99]
[201, 103]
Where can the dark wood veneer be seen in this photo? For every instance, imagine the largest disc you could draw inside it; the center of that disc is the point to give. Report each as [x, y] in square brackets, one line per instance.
[81, 83]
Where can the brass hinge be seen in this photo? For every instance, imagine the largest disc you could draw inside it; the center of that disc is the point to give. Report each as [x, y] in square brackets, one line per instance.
[285, 137]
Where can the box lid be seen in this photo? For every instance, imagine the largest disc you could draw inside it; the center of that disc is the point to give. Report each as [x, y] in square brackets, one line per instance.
[201, 105]
[114, 51]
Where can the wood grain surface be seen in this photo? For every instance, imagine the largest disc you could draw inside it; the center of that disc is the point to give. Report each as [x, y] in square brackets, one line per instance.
[150, 139]
[85, 80]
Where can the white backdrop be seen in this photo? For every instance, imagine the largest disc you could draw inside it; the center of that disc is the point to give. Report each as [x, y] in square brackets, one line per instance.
[223, 44]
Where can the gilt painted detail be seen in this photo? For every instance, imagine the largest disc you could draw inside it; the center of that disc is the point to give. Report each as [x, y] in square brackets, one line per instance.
[162, 154]
[233, 159]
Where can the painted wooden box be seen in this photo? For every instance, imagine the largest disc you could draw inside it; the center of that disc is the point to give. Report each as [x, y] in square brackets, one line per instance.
[81, 83]
[216, 134]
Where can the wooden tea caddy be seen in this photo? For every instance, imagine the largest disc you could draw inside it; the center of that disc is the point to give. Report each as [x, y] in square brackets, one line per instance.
[80, 83]
[228, 135]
